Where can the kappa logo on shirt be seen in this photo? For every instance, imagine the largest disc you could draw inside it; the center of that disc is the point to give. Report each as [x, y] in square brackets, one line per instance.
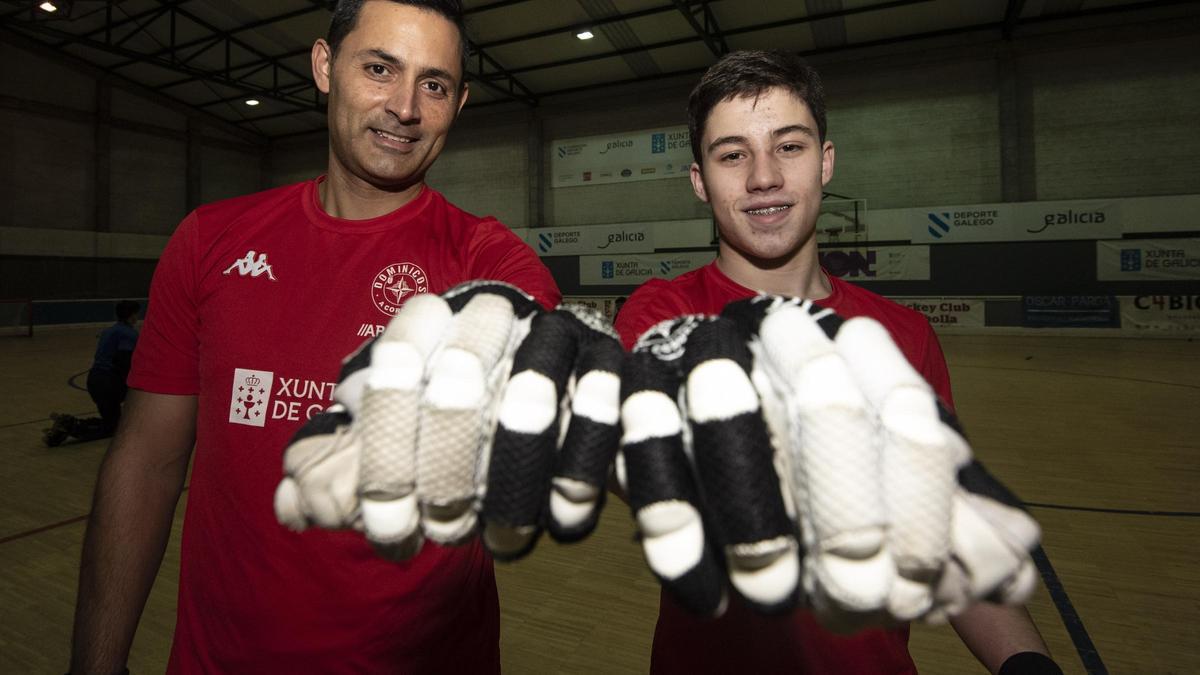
[251, 396]
[254, 267]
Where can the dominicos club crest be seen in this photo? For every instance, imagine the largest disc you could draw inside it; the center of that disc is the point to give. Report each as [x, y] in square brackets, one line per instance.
[395, 284]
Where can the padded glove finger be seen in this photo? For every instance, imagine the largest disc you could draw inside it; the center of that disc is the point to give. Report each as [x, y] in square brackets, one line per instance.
[593, 434]
[835, 462]
[320, 474]
[533, 415]
[322, 459]
[734, 460]
[918, 463]
[657, 474]
[991, 537]
[522, 457]
[388, 422]
[454, 417]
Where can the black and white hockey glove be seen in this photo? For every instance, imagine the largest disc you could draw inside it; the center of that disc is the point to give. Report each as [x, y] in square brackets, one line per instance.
[801, 457]
[473, 405]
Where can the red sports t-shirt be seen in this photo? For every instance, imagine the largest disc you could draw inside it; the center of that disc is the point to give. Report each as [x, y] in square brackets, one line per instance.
[253, 304]
[742, 641]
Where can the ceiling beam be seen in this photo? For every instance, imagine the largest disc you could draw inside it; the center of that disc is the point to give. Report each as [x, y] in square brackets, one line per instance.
[891, 4]
[217, 36]
[230, 39]
[705, 26]
[573, 28]
[197, 73]
[110, 25]
[49, 52]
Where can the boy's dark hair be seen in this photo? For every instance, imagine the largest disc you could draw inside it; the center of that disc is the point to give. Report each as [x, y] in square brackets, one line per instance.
[752, 73]
[126, 309]
[345, 18]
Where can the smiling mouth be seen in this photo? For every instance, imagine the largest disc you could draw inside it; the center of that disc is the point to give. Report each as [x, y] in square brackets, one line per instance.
[768, 211]
[393, 137]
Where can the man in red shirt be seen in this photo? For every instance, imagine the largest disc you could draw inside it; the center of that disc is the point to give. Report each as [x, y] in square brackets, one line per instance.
[757, 123]
[254, 301]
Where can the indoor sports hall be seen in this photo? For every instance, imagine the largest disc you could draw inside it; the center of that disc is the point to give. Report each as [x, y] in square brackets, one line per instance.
[1021, 172]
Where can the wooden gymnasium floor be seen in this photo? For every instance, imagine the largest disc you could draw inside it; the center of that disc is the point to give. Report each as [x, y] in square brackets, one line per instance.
[1109, 425]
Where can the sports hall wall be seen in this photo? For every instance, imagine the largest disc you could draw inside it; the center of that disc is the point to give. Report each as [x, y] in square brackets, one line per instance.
[94, 175]
[1103, 109]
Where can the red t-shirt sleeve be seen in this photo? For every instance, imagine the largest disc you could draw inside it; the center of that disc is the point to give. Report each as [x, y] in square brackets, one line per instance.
[166, 359]
[496, 253]
[655, 301]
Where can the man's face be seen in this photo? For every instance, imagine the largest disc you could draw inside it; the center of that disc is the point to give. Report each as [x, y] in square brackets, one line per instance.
[763, 169]
[393, 92]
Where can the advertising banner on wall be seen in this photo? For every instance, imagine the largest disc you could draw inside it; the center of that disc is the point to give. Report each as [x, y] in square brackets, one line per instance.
[1161, 313]
[591, 239]
[948, 312]
[631, 270]
[877, 263]
[1023, 221]
[1138, 259]
[606, 305]
[650, 154]
[1070, 311]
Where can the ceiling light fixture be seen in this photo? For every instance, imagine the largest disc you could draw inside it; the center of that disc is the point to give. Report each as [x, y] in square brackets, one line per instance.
[585, 35]
[48, 7]
[252, 102]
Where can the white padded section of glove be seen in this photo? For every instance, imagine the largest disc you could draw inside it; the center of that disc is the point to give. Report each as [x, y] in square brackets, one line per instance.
[288, 506]
[349, 392]
[323, 475]
[857, 585]
[598, 397]
[649, 414]
[395, 365]
[672, 537]
[530, 403]
[990, 539]
[878, 365]
[421, 323]
[389, 521]
[572, 501]
[719, 389]
[766, 577]
[456, 381]
[449, 524]
[909, 600]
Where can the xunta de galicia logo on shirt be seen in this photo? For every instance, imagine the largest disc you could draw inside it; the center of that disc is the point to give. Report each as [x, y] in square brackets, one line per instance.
[395, 284]
[262, 395]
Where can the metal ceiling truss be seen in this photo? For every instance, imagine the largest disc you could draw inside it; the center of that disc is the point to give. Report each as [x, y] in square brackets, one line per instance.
[296, 92]
[176, 57]
[704, 23]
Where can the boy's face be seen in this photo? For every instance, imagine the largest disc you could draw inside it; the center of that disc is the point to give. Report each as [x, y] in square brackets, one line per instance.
[394, 91]
[762, 170]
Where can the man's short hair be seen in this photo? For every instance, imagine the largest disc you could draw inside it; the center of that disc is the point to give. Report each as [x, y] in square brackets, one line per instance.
[753, 73]
[345, 18]
[126, 309]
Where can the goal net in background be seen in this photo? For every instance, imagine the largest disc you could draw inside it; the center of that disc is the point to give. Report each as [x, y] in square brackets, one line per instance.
[842, 221]
[16, 318]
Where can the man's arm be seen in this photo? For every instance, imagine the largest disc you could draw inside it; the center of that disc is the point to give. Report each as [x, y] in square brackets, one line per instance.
[993, 633]
[137, 490]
